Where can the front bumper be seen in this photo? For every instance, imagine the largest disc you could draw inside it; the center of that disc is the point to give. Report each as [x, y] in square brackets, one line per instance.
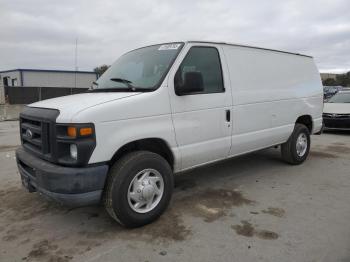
[67, 185]
[335, 123]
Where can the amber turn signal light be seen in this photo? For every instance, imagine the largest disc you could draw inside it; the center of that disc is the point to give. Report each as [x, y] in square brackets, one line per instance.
[72, 131]
[85, 131]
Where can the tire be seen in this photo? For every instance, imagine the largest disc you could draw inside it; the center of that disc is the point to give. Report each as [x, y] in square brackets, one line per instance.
[117, 199]
[289, 150]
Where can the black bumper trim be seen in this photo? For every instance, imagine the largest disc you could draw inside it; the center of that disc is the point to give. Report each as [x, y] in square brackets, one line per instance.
[74, 200]
[336, 123]
[336, 128]
[67, 185]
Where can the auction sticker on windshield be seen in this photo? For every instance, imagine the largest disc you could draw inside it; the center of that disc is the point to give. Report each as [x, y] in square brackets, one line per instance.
[169, 47]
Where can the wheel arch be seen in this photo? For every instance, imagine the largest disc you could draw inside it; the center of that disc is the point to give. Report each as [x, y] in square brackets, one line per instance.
[305, 120]
[155, 145]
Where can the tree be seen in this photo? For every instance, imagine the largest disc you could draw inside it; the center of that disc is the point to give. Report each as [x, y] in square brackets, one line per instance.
[343, 79]
[330, 82]
[101, 69]
[340, 80]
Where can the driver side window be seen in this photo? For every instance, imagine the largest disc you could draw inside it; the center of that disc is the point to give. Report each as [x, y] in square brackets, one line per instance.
[205, 63]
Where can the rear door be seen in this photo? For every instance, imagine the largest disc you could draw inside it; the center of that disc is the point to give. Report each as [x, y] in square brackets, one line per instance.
[202, 120]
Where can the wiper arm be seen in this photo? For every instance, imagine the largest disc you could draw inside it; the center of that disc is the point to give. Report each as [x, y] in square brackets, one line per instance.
[129, 87]
[93, 84]
[125, 81]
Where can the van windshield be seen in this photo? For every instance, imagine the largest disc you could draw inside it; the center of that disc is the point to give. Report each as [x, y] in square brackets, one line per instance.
[139, 70]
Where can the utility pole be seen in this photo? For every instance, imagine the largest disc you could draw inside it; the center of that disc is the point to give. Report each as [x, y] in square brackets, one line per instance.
[76, 62]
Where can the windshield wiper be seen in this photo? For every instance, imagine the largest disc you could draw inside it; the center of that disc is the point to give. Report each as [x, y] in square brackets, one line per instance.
[124, 81]
[93, 84]
[129, 87]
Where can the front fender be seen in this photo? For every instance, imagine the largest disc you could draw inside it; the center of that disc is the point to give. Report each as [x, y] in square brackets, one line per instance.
[111, 136]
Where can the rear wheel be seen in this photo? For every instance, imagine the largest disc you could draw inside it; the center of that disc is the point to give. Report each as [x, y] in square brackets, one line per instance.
[139, 188]
[297, 148]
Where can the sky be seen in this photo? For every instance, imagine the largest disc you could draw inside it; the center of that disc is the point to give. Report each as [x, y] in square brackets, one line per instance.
[42, 33]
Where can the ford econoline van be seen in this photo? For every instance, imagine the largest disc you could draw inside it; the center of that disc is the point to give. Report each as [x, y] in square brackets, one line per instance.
[163, 109]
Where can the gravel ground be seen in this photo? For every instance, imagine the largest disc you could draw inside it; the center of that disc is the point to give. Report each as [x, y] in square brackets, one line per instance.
[251, 208]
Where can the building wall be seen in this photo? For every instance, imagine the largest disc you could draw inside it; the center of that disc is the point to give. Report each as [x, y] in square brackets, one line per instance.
[11, 75]
[58, 79]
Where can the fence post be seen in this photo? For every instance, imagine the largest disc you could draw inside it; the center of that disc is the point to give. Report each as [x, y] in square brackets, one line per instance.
[39, 93]
[2, 94]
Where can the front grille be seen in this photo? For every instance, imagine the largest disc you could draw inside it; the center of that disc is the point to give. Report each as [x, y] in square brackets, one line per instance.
[37, 129]
[338, 116]
[336, 120]
[35, 135]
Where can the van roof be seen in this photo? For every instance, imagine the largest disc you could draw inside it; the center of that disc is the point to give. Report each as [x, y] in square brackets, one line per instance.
[248, 46]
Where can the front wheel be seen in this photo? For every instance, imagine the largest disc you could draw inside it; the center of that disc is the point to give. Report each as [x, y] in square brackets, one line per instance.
[296, 149]
[139, 188]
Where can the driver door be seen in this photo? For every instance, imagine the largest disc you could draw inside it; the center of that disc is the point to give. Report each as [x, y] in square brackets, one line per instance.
[201, 119]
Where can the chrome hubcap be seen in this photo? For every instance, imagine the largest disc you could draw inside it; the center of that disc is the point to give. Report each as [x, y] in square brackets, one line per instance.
[145, 190]
[301, 145]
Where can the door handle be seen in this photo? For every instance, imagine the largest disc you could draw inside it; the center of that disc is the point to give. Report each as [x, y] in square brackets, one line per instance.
[228, 115]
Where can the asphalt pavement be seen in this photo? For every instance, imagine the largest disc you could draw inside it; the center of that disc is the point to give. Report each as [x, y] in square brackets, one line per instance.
[250, 208]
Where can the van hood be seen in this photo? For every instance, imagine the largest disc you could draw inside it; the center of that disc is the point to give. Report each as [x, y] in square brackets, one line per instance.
[336, 108]
[71, 105]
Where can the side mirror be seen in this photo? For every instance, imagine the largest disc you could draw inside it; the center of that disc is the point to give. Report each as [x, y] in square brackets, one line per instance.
[193, 83]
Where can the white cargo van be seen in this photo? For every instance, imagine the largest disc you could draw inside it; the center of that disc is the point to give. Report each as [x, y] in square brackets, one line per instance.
[163, 109]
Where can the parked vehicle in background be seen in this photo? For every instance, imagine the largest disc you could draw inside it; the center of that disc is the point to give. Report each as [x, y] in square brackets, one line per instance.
[164, 109]
[336, 112]
[329, 91]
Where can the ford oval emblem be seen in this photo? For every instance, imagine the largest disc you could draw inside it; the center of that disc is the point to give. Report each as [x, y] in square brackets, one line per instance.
[29, 134]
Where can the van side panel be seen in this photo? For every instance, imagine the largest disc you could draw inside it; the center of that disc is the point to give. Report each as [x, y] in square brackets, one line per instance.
[270, 91]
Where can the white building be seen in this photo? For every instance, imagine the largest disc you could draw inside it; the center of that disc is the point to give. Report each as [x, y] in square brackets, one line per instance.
[47, 78]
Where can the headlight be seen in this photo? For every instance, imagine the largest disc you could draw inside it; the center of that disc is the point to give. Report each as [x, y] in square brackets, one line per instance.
[74, 151]
[74, 143]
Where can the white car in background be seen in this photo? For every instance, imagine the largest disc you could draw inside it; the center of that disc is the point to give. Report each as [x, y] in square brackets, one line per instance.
[336, 112]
